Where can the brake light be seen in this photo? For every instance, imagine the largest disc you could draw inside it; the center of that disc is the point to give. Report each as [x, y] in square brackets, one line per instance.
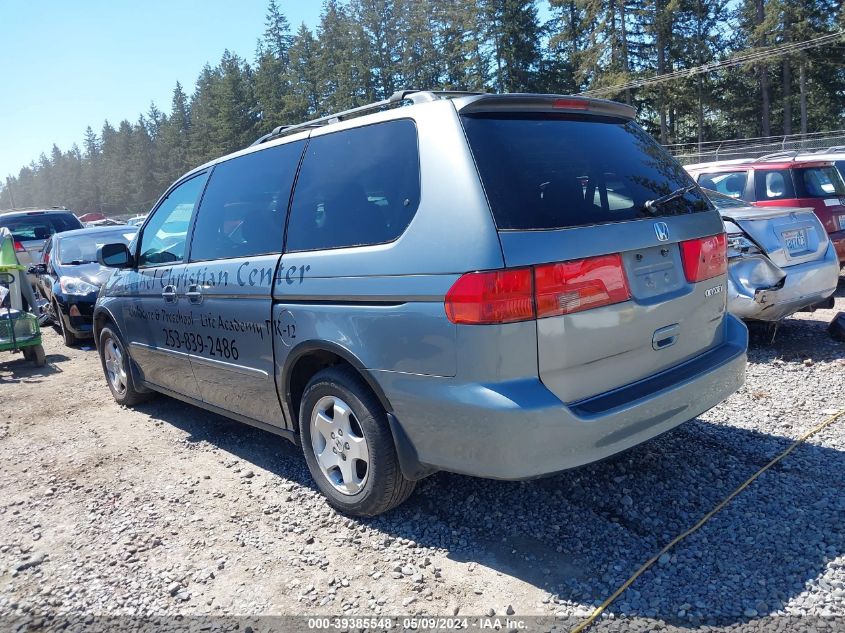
[19, 247]
[571, 104]
[498, 296]
[578, 285]
[521, 294]
[705, 258]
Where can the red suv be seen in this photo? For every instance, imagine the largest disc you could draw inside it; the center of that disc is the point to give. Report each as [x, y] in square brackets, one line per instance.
[782, 180]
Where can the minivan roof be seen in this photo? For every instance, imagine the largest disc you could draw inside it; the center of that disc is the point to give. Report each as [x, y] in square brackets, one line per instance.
[464, 102]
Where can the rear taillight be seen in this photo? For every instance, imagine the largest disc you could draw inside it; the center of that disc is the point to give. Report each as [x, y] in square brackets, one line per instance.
[705, 258]
[19, 247]
[521, 294]
[497, 296]
[570, 287]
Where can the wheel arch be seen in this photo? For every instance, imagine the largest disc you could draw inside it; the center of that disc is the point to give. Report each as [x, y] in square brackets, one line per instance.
[103, 316]
[309, 357]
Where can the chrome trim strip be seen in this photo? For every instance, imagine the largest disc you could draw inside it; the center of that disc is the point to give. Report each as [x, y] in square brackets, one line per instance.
[202, 360]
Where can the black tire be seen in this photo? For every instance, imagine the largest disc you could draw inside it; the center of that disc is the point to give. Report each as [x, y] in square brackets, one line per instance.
[128, 395]
[384, 487]
[28, 354]
[68, 336]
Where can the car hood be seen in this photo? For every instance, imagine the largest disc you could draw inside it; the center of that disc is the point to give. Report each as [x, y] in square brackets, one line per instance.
[93, 273]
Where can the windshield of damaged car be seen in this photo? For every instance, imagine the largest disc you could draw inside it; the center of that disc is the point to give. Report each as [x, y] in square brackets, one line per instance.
[82, 249]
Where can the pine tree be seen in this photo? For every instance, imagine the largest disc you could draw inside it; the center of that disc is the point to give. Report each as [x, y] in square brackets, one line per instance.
[173, 143]
[515, 36]
[302, 76]
[277, 38]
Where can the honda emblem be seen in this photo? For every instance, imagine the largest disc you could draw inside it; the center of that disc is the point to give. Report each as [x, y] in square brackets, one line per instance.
[661, 230]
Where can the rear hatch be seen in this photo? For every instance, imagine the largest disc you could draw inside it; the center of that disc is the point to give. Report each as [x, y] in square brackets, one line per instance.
[789, 236]
[623, 289]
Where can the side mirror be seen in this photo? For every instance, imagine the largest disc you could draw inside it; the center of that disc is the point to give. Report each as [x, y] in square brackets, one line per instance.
[114, 256]
[37, 269]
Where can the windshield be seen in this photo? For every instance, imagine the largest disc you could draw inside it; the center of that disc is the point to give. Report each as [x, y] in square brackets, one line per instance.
[41, 226]
[819, 182]
[724, 202]
[550, 171]
[82, 249]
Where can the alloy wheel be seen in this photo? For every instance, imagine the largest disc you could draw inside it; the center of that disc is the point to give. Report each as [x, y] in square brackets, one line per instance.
[339, 445]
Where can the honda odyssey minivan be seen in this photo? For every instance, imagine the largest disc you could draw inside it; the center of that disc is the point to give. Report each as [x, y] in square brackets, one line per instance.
[504, 286]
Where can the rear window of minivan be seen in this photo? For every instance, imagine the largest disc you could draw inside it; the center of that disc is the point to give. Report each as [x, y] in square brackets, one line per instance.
[548, 171]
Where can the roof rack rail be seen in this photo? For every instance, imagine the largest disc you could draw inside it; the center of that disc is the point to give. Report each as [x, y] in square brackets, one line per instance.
[773, 155]
[835, 148]
[414, 96]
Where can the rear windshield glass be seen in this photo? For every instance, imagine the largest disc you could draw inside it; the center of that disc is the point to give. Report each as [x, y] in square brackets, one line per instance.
[819, 182]
[551, 172]
[41, 226]
[82, 249]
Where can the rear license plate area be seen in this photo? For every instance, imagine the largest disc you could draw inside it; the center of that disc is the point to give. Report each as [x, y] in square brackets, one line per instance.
[795, 241]
[654, 272]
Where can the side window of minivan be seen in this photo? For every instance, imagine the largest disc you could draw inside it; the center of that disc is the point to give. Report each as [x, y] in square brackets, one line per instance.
[164, 237]
[243, 210]
[356, 187]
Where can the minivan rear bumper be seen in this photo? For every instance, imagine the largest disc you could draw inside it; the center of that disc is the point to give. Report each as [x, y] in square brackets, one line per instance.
[520, 430]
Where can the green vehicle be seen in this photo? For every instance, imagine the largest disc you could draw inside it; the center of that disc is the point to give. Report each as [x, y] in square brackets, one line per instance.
[19, 329]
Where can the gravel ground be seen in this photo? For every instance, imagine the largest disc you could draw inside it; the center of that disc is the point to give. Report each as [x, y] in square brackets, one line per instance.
[168, 510]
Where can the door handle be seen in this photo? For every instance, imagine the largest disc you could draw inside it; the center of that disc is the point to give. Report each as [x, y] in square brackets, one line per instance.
[665, 337]
[169, 294]
[194, 295]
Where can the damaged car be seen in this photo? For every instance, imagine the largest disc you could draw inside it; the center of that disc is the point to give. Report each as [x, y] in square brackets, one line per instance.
[68, 277]
[780, 260]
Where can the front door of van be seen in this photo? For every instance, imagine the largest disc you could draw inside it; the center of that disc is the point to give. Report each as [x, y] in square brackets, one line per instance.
[156, 312]
[234, 252]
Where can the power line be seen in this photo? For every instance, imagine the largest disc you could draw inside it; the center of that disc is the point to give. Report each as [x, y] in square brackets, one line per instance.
[762, 54]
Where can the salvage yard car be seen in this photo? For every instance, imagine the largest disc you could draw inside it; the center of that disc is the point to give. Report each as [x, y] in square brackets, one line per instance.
[31, 228]
[497, 285]
[783, 179]
[68, 277]
[780, 260]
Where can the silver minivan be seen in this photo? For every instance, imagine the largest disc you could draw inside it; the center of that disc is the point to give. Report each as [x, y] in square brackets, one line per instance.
[504, 286]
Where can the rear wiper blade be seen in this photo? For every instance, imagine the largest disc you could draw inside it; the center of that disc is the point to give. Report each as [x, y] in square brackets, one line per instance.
[650, 206]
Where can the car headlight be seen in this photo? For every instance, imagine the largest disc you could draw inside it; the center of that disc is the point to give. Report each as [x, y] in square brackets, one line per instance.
[77, 286]
[739, 245]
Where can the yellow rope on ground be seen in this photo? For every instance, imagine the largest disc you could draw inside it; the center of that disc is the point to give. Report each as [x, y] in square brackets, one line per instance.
[600, 609]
